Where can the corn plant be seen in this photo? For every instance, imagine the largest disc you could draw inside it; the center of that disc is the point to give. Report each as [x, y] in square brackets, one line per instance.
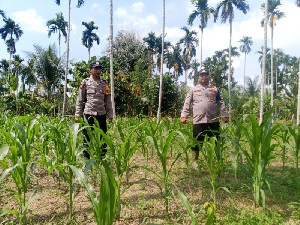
[67, 153]
[3, 152]
[54, 146]
[189, 208]
[188, 143]
[19, 157]
[104, 208]
[95, 148]
[209, 210]
[284, 135]
[233, 132]
[260, 138]
[121, 154]
[295, 135]
[214, 163]
[162, 146]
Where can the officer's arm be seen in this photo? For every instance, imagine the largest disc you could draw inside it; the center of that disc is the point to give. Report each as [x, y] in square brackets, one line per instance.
[186, 106]
[221, 105]
[80, 99]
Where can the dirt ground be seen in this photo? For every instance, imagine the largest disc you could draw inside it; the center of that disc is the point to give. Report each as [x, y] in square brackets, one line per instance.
[142, 202]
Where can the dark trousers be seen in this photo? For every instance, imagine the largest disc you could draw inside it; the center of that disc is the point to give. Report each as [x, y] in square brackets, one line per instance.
[202, 129]
[102, 124]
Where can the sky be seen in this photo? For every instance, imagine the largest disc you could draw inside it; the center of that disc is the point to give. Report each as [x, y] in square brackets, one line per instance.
[144, 16]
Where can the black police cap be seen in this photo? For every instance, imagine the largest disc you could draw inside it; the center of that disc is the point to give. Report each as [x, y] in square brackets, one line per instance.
[95, 64]
[203, 71]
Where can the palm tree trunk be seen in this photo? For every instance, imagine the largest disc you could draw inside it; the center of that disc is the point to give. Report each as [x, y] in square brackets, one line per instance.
[298, 103]
[201, 38]
[276, 79]
[272, 65]
[229, 73]
[161, 63]
[59, 35]
[67, 61]
[245, 72]
[262, 89]
[89, 50]
[9, 64]
[112, 84]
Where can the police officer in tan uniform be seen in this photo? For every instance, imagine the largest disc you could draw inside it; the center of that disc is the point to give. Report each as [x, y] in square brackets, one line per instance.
[94, 102]
[208, 107]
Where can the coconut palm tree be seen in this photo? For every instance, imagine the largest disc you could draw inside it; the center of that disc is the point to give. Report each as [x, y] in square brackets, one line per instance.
[189, 42]
[246, 43]
[12, 31]
[151, 41]
[161, 61]
[88, 36]
[227, 13]
[203, 12]
[274, 14]
[112, 84]
[48, 68]
[79, 4]
[174, 60]
[262, 83]
[194, 73]
[58, 25]
[252, 86]
[278, 61]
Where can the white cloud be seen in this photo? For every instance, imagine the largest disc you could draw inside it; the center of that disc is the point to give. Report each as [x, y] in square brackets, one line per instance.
[138, 7]
[97, 7]
[145, 22]
[132, 21]
[214, 38]
[286, 34]
[173, 34]
[30, 21]
[121, 12]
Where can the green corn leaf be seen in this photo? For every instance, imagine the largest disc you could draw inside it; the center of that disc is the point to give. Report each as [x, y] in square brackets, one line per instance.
[263, 198]
[107, 201]
[31, 199]
[3, 152]
[188, 207]
[79, 175]
[7, 171]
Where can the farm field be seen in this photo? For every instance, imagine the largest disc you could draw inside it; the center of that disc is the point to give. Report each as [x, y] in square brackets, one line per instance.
[149, 176]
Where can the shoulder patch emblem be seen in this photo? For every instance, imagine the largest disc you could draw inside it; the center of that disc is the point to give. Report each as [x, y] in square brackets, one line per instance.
[81, 86]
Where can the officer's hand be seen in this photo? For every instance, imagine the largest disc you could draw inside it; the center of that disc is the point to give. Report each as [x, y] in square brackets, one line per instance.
[76, 120]
[183, 120]
[225, 119]
[110, 120]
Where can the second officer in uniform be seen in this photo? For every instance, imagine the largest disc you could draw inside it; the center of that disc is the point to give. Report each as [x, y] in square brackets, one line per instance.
[94, 103]
[208, 107]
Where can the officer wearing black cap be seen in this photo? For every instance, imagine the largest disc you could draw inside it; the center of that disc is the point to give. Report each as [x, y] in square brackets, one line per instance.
[208, 107]
[94, 102]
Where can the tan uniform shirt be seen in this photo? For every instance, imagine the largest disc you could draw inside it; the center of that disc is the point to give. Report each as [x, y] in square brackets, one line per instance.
[94, 98]
[207, 104]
